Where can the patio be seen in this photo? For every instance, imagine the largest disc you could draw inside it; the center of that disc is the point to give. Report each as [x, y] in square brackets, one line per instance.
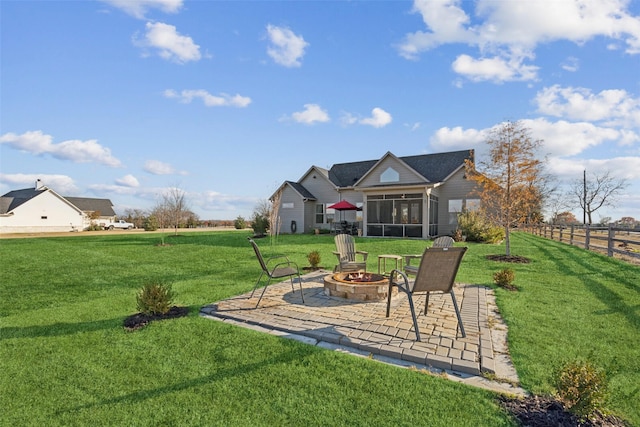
[361, 328]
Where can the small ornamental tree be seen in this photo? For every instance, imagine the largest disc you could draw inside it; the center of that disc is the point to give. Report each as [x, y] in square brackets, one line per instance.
[507, 182]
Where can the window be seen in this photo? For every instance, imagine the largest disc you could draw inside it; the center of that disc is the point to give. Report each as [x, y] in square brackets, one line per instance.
[394, 214]
[473, 204]
[287, 206]
[455, 205]
[389, 175]
[433, 215]
[319, 213]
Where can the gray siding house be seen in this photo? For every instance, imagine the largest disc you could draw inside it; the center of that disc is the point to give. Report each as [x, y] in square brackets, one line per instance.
[414, 196]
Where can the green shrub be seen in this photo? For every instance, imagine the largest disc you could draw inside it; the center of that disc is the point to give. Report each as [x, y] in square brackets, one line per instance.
[259, 224]
[504, 278]
[478, 228]
[493, 235]
[314, 258]
[94, 227]
[582, 388]
[240, 223]
[151, 223]
[155, 298]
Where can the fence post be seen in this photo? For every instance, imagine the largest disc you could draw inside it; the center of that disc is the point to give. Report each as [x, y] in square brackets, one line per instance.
[571, 234]
[612, 235]
[561, 228]
[587, 236]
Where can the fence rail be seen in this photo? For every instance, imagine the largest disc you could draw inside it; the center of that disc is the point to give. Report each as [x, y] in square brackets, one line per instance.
[611, 240]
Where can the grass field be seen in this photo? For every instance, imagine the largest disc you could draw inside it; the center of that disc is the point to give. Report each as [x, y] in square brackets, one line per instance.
[66, 360]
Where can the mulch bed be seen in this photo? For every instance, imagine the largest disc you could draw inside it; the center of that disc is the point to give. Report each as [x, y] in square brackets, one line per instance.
[537, 411]
[140, 320]
[509, 258]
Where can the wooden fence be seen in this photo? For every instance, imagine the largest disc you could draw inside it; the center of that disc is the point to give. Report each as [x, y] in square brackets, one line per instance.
[611, 240]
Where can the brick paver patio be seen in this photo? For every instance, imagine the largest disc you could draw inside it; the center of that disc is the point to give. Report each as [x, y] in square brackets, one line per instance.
[363, 328]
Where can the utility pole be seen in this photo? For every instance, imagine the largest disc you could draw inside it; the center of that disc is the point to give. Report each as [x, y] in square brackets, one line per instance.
[584, 197]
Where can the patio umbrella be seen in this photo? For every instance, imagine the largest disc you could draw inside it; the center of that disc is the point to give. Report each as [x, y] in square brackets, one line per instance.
[343, 205]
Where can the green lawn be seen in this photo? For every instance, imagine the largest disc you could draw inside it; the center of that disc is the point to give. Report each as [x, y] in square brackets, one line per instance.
[66, 360]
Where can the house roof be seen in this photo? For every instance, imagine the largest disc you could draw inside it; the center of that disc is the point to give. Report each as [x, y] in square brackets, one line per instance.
[437, 167]
[87, 204]
[434, 167]
[15, 198]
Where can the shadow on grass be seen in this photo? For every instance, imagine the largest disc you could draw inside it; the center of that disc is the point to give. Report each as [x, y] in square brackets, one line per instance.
[614, 302]
[58, 329]
[294, 353]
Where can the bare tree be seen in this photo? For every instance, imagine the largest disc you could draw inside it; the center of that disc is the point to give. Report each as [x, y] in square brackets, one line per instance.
[595, 191]
[507, 182]
[175, 201]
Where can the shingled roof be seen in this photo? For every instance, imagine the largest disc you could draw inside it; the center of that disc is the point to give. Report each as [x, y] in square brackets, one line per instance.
[15, 198]
[87, 204]
[434, 167]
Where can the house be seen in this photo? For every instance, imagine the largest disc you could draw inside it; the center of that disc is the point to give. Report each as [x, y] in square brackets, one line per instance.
[40, 209]
[415, 196]
[98, 210]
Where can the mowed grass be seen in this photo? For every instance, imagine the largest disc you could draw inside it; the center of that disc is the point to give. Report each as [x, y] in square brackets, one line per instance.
[66, 360]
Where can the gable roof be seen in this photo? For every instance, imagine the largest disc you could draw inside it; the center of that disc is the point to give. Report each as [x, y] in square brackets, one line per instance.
[15, 198]
[433, 167]
[437, 167]
[297, 187]
[87, 204]
[389, 154]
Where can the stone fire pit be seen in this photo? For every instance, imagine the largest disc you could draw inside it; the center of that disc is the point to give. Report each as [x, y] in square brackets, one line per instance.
[359, 286]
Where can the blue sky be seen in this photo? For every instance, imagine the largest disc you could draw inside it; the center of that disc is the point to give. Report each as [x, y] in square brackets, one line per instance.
[122, 99]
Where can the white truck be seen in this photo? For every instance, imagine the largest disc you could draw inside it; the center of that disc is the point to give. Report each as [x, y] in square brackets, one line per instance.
[121, 224]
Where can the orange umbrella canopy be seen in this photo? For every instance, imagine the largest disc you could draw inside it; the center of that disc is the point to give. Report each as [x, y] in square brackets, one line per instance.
[343, 205]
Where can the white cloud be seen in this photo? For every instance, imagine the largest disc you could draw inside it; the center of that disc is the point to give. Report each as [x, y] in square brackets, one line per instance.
[311, 114]
[209, 100]
[156, 167]
[613, 107]
[138, 8]
[379, 118]
[571, 64]
[286, 48]
[37, 143]
[563, 138]
[456, 138]
[61, 184]
[170, 44]
[509, 31]
[620, 167]
[128, 181]
[495, 69]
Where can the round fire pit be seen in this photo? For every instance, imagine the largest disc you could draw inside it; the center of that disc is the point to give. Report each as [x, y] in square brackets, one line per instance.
[359, 286]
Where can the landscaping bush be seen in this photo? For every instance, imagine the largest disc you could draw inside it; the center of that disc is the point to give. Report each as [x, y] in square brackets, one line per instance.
[240, 223]
[582, 388]
[504, 278]
[259, 224]
[477, 228]
[314, 258]
[155, 298]
[94, 227]
[151, 223]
